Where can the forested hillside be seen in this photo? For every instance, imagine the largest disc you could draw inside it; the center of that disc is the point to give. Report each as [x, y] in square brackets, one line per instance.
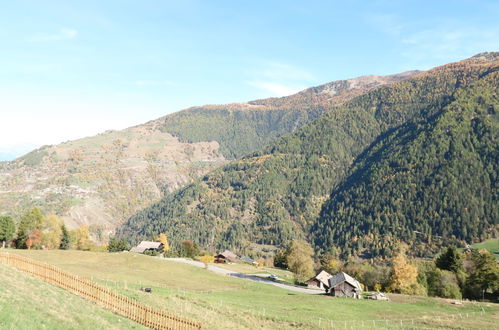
[277, 194]
[244, 128]
[427, 182]
[102, 180]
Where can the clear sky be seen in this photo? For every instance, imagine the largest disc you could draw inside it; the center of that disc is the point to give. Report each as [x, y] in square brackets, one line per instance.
[71, 69]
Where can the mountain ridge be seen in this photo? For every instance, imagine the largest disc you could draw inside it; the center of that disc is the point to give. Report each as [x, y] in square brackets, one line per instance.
[274, 195]
[103, 179]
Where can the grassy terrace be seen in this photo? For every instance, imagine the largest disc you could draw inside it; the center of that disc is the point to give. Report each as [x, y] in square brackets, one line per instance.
[222, 302]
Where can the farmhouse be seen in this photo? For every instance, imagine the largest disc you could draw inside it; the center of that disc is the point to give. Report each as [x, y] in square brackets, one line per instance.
[226, 256]
[343, 285]
[320, 281]
[145, 246]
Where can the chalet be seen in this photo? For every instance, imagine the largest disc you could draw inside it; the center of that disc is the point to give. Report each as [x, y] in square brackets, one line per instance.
[343, 285]
[145, 246]
[226, 256]
[320, 281]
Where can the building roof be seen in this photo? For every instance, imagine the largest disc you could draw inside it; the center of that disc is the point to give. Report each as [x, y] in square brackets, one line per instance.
[251, 261]
[146, 245]
[228, 255]
[343, 277]
[324, 277]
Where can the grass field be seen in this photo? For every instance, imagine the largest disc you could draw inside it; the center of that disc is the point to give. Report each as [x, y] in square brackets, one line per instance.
[29, 303]
[222, 302]
[283, 274]
[491, 245]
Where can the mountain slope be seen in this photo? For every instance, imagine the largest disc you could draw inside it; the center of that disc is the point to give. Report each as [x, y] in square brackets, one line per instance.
[427, 182]
[243, 128]
[276, 194]
[104, 179]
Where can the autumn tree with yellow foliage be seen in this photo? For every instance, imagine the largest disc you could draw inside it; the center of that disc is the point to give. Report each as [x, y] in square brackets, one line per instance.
[163, 239]
[403, 276]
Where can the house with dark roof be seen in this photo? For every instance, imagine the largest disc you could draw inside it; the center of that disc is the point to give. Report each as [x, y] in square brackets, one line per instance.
[343, 285]
[320, 281]
[148, 246]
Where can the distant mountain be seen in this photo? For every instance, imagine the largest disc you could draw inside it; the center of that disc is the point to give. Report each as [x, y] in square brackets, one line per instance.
[308, 184]
[103, 180]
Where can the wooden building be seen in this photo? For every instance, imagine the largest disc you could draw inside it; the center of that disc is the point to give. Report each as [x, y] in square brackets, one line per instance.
[343, 285]
[226, 256]
[320, 281]
[148, 246]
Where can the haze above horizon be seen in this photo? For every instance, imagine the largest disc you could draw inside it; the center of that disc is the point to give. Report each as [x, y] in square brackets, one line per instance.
[73, 69]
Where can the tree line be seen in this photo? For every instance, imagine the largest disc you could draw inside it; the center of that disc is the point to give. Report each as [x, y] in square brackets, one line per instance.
[35, 230]
[473, 274]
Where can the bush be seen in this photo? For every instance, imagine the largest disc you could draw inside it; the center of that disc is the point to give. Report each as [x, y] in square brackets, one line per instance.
[152, 253]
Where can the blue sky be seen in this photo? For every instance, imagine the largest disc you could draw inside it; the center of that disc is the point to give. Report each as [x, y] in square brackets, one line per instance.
[76, 68]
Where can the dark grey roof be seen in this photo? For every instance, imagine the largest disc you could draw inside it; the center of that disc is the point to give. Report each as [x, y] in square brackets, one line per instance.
[343, 277]
[247, 260]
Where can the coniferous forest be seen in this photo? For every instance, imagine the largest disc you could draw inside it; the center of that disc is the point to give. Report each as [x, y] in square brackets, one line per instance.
[414, 161]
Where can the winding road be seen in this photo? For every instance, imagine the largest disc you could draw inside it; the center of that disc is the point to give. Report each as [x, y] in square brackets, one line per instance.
[254, 278]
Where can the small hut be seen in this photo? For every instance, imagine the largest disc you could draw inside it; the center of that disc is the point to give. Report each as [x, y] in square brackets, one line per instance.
[343, 285]
[226, 256]
[320, 281]
[145, 246]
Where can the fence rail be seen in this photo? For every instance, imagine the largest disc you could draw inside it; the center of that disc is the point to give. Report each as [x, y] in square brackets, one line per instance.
[103, 296]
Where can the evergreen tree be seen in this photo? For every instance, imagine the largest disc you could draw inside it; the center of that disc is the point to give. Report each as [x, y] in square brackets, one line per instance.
[450, 260]
[65, 239]
[7, 229]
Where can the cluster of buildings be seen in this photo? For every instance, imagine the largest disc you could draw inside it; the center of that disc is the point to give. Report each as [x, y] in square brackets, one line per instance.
[339, 285]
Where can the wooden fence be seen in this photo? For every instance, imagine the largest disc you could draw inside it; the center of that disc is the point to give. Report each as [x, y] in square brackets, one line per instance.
[117, 303]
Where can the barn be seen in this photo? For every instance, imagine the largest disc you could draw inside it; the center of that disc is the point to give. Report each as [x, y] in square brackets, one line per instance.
[148, 246]
[343, 285]
[226, 256]
[320, 281]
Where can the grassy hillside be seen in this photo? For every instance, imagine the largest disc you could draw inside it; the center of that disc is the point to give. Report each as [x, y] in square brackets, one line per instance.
[222, 302]
[491, 245]
[104, 179]
[276, 194]
[29, 303]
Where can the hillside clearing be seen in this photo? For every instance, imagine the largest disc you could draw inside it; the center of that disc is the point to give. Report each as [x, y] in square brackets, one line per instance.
[204, 296]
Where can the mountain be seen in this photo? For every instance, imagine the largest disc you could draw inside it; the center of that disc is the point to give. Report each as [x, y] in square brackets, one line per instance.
[429, 181]
[288, 189]
[104, 179]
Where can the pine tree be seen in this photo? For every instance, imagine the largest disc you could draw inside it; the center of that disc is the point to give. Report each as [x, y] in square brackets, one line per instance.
[65, 241]
[450, 260]
[7, 229]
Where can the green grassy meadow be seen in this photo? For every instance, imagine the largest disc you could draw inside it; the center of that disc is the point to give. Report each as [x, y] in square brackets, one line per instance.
[29, 303]
[223, 302]
[491, 245]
